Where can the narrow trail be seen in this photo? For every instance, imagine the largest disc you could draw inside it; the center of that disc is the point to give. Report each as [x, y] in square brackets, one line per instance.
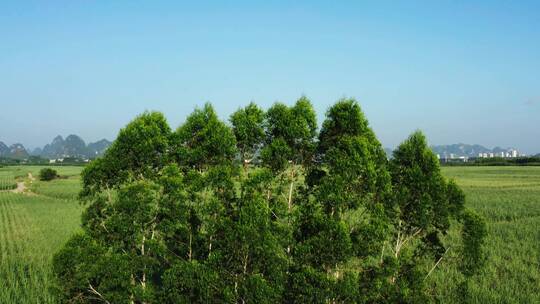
[21, 186]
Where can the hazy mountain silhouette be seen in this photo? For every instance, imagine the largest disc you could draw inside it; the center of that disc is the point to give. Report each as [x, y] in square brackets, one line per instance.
[459, 150]
[466, 150]
[74, 146]
[16, 151]
[71, 146]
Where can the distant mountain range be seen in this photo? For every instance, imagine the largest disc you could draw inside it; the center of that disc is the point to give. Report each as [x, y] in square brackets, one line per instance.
[71, 146]
[459, 150]
[468, 150]
[16, 151]
[74, 146]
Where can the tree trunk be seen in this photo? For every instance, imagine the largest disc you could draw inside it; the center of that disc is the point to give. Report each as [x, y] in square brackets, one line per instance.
[290, 195]
[190, 248]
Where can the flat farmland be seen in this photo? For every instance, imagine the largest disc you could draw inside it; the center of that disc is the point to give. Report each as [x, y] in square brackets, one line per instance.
[33, 226]
[509, 199]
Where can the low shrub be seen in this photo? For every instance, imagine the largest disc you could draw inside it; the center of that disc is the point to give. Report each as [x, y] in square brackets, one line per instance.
[47, 174]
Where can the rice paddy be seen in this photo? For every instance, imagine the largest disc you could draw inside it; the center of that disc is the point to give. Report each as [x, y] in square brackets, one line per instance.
[32, 228]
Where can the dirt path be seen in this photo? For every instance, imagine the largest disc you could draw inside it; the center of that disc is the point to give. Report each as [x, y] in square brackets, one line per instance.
[21, 186]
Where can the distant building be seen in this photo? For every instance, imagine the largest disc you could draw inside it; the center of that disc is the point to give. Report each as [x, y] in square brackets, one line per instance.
[457, 159]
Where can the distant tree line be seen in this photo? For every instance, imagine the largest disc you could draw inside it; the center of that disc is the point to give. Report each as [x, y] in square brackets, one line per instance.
[38, 160]
[31, 160]
[266, 209]
[498, 161]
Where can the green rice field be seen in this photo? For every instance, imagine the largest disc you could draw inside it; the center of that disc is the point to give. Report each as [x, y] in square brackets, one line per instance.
[7, 179]
[509, 199]
[33, 226]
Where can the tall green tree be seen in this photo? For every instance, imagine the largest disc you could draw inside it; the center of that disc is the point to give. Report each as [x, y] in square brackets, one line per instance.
[118, 258]
[428, 203]
[250, 247]
[289, 147]
[248, 129]
[342, 216]
[290, 134]
[204, 140]
[290, 140]
[140, 150]
[356, 184]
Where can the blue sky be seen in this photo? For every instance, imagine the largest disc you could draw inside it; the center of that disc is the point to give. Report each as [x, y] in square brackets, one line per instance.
[461, 71]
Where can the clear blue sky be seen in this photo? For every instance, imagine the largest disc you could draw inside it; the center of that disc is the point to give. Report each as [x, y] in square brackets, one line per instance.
[461, 71]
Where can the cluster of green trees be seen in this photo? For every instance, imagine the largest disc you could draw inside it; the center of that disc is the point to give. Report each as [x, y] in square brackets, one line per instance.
[31, 160]
[264, 210]
[499, 161]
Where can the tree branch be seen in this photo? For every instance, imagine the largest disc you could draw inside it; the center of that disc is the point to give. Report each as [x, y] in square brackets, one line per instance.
[94, 291]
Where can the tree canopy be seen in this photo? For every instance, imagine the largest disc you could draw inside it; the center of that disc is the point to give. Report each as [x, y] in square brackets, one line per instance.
[248, 129]
[203, 140]
[141, 149]
[290, 134]
[171, 217]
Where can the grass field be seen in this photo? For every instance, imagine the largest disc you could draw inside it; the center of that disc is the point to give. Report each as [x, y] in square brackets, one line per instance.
[7, 179]
[509, 200]
[34, 226]
[66, 187]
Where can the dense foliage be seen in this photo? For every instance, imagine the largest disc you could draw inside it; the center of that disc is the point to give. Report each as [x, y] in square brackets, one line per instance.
[47, 174]
[247, 124]
[311, 218]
